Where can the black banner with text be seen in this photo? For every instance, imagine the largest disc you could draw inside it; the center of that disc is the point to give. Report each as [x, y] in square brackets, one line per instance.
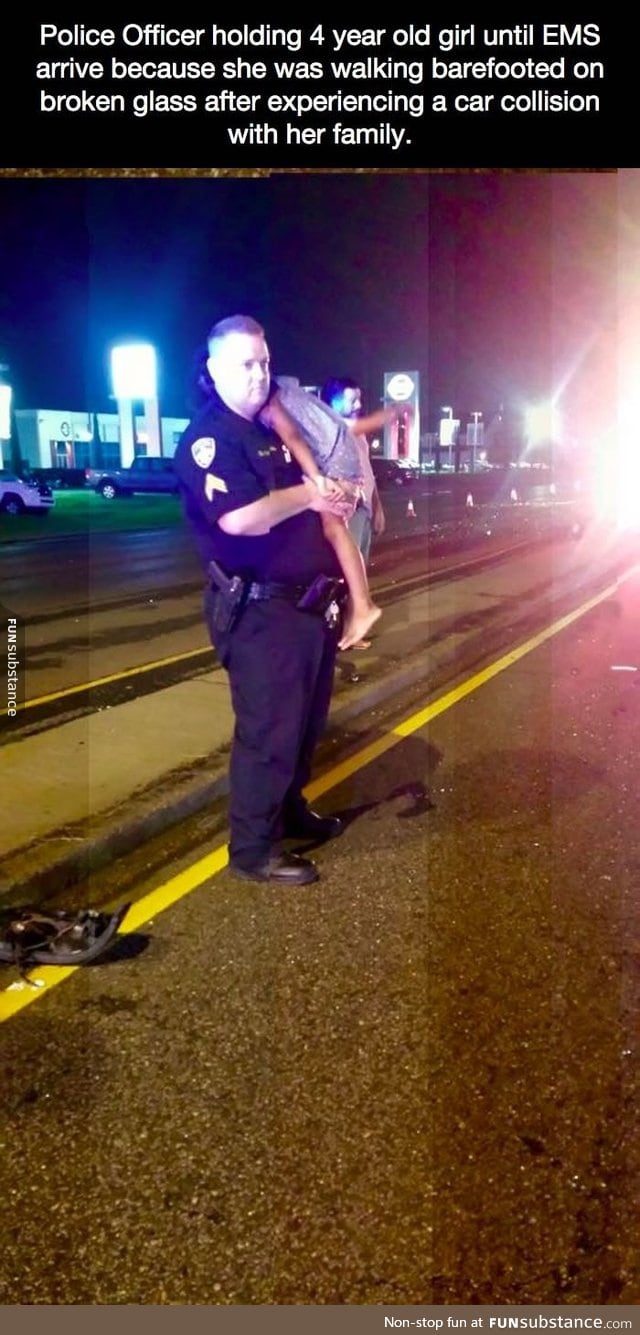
[540, 93]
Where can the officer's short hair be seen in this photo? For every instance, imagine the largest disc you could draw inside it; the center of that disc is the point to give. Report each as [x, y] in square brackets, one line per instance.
[233, 324]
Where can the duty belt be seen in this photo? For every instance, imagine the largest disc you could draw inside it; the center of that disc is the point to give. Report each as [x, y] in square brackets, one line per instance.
[291, 592]
[235, 592]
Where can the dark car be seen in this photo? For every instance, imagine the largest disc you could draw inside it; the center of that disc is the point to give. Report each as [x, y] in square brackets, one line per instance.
[152, 474]
[390, 473]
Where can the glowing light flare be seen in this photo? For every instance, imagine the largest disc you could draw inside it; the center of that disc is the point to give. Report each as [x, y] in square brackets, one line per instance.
[542, 423]
[5, 412]
[133, 371]
[627, 463]
[617, 468]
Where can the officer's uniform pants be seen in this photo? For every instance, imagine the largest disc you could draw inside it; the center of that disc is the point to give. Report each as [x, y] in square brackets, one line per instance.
[281, 664]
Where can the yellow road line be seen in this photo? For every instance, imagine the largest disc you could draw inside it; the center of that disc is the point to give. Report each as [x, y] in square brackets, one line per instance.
[195, 653]
[116, 676]
[179, 886]
[21, 993]
[416, 721]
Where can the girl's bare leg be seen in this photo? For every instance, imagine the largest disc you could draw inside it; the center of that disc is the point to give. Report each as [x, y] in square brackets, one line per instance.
[361, 611]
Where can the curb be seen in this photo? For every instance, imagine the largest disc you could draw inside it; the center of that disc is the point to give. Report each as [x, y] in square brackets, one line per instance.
[120, 831]
[127, 832]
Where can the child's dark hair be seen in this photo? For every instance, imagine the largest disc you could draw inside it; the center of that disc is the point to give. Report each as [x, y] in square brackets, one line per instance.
[334, 388]
[200, 382]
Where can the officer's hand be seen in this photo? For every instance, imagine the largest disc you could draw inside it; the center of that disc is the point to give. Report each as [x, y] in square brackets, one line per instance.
[351, 490]
[343, 507]
[329, 487]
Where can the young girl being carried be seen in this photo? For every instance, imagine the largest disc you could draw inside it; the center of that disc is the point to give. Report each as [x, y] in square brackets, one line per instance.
[327, 453]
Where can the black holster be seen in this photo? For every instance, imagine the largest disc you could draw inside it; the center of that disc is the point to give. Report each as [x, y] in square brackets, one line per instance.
[230, 600]
[321, 593]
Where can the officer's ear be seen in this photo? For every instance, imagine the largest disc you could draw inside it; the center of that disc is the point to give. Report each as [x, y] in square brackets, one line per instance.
[211, 367]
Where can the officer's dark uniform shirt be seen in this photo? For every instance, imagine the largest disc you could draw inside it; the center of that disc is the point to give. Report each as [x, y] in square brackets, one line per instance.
[224, 462]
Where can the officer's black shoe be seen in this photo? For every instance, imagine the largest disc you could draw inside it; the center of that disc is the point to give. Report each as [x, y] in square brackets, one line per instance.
[309, 825]
[281, 868]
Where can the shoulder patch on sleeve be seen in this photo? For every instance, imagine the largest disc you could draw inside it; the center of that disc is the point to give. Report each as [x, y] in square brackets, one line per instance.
[203, 451]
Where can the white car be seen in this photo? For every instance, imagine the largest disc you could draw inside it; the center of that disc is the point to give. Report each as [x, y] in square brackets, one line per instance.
[19, 497]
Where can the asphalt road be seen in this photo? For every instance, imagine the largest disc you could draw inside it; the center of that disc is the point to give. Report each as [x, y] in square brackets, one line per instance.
[99, 605]
[415, 1082]
[49, 575]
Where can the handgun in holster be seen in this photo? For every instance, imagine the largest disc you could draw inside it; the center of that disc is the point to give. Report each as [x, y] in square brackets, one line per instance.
[231, 597]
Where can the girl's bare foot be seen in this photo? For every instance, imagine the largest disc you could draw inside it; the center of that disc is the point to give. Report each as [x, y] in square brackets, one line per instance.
[356, 626]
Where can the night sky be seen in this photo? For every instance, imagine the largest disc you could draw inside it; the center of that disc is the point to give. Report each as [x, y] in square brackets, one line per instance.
[496, 287]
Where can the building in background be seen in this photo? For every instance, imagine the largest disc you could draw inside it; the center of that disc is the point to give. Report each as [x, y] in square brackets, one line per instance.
[53, 438]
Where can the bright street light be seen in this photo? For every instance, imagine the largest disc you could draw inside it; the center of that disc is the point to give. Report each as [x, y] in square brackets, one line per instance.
[5, 417]
[134, 378]
[133, 371]
[5, 412]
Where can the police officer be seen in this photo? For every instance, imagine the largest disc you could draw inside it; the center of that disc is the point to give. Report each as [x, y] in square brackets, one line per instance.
[256, 523]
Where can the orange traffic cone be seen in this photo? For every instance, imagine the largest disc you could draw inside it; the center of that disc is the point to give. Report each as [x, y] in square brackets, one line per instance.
[514, 495]
[411, 510]
[470, 501]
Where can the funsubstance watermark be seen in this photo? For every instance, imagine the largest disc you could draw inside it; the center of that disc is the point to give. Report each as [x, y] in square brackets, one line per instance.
[14, 639]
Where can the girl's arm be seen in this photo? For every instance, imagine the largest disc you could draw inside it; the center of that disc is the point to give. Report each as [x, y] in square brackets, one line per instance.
[361, 426]
[276, 416]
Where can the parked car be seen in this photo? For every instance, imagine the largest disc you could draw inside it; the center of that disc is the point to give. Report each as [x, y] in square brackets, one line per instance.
[148, 473]
[391, 473]
[71, 479]
[19, 496]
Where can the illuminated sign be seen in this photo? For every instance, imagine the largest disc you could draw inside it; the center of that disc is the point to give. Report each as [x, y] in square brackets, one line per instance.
[400, 387]
[402, 431]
